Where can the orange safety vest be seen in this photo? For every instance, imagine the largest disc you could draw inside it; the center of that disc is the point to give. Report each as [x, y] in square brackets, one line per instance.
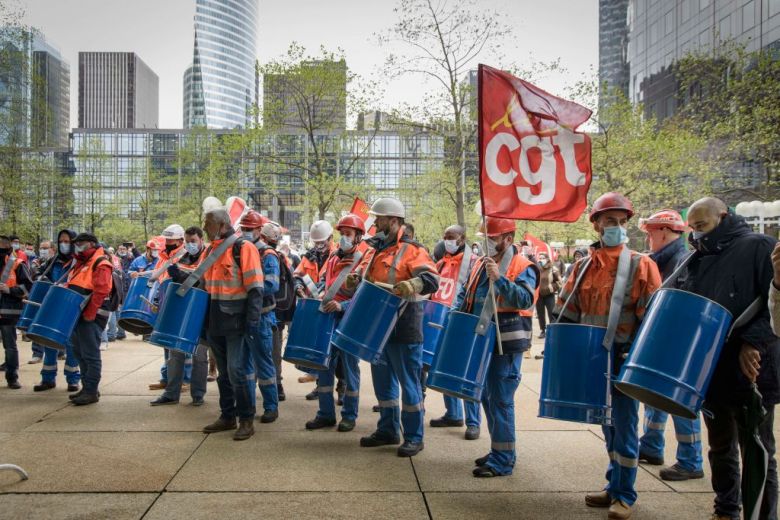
[403, 260]
[590, 305]
[226, 281]
[517, 265]
[449, 270]
[164, 257]
[80, 277]
[11, 281]
[307, 267]
[331, 270]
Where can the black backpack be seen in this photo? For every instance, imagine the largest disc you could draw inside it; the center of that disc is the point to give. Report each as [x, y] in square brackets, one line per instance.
[117, 296]
[286, 297]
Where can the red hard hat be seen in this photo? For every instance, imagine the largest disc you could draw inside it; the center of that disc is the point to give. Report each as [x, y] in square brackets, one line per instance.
[351, 221]
[610, 201]
[498, 226]
[152, 244]
[664, 218]
[253, 220]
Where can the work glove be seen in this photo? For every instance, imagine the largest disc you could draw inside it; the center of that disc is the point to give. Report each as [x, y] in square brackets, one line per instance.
[173, 271]
[408, 288]
[352, 281]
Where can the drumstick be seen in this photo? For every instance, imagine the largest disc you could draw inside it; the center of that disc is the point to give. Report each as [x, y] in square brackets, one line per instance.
[383, 285]
[29, 302]
[150, 304]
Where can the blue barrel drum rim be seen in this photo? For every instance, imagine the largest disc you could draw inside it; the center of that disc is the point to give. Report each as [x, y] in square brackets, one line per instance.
[137, 315]
[57, 317]
[34, 300]
[308, 342]
[180, 319]
[434, 318]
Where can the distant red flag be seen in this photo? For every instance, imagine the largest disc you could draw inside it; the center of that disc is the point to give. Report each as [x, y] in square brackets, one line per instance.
[533, 163]
[360, 208]
[540, 246]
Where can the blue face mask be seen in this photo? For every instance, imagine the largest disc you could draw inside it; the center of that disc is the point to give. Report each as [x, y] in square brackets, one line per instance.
[192, 248]
[64, 248]
[249, 236]
[345, 244]
[697, 234]
[614, 236]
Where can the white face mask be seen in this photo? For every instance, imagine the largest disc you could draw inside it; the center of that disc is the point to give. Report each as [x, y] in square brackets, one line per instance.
[345, 244]
[80, 248]
[155, 253]
[451, 246]
[492, 247]
[249, 236]
[44, 254]
[192, 248]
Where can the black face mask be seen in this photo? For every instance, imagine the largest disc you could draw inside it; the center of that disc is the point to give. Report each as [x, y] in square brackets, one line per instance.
[170, 248]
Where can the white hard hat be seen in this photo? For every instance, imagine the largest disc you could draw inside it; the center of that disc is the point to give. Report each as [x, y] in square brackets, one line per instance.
[320, 230]
[173, 232]
[388, 207]
[211, 204]
[272, 231]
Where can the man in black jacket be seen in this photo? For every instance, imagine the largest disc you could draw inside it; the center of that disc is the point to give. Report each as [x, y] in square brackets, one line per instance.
[15, 284]
[732, 267]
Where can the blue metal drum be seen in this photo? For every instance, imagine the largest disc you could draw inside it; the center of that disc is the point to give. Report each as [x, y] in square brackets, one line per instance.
[308, 344]
[180, 320]
[575, 374]
[138, 314]
[461, 361]
[368, 322]
[434, 317]
[675, 352]
[55, 320]
[37, 293]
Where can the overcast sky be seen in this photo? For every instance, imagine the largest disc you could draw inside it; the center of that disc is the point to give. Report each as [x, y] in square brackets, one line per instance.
[161, 33]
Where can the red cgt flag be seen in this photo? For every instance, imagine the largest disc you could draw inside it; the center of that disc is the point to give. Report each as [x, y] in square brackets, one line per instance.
[534, 165]
[540, 246]
[360, 208]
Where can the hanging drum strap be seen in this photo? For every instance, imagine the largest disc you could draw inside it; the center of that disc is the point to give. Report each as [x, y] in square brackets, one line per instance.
[618, 295]
[204, 266]
[486, 316]
[580, 276]
[9, 263]
[463, 273]
[70, 266]
[339, 281]
[677, 271]
[159, 271]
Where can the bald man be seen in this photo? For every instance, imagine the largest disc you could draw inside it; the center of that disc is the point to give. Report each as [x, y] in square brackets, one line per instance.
[732, 266]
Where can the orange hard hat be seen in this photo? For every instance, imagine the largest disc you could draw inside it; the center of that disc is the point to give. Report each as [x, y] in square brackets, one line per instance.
[253, 220]
[665, 218]
[498, 226]
[351, 221]
[152, 244]
[610, 201]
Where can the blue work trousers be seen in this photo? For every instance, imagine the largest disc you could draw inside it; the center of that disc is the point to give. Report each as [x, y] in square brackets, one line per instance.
[86, 347]
[455, 408]
[260, 366]
[498, 399]
[623, 448]
[686, 431]
[179, 364]
[164, 377]
[49, 368]
[400, 364]
[326, 380]
[232, 358]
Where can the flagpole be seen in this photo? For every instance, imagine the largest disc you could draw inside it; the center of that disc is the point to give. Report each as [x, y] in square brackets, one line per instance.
[492, 290]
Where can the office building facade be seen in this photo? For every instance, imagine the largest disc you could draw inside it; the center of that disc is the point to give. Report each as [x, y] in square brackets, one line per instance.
[220, 87]
[613, 49]
[117, 90]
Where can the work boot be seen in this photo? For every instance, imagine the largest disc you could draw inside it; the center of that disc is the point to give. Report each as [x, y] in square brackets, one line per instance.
[85, 398]
[619, 510]
[73, 388]
[541, 335]
[308, 378]
[376, 408]
[245, 430]
[320, 422]
[485, 472]
[410, 449]
[678, 473]
[472, 433]
[269, 416]
[162, 400]
[158, 386]
[313, 395]
[43, 386]
[600, 499]
[280, 391]
[197, 401]
[649, 459]
[220, 425]
[2, 367]
[74, 396]
[482, 460]
[539, 356]
[14, 385]
[446, 422]
[346, 425]
[378, 439]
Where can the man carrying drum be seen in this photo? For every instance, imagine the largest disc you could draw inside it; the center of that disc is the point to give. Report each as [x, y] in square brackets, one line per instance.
[514, 279]
[732, 266]
[664, 231]
[588, 299]
[257, 230]
[404, 264]
[15, 285]
[233, 277]
[336, 298]
[179, 363]
[90, 276]
[453, 268]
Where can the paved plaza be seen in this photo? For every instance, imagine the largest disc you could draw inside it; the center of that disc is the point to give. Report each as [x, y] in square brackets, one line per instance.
[122, 459]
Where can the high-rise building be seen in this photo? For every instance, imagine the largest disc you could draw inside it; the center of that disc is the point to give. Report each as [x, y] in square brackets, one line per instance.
[35, 86]
[117, 90]
[662, 32]
[613, 47]
[220, 87]
[314, 98]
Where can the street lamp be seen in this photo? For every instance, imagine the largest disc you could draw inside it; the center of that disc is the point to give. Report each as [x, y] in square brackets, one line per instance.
[760, 213]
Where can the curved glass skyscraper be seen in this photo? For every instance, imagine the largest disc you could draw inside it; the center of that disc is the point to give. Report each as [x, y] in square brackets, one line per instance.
[220, 86]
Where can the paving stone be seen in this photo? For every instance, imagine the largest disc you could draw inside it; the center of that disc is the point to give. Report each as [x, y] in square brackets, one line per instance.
[302, 505]
[75, 506]
[21, 410]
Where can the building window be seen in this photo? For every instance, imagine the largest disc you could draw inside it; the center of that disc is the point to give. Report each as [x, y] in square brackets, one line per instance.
[704, 38]
[703, 4]
[774, 7]
[653, 34]
[669, 22]
[670, 106]
[748, 16]
[724, 28]
[685, 10]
